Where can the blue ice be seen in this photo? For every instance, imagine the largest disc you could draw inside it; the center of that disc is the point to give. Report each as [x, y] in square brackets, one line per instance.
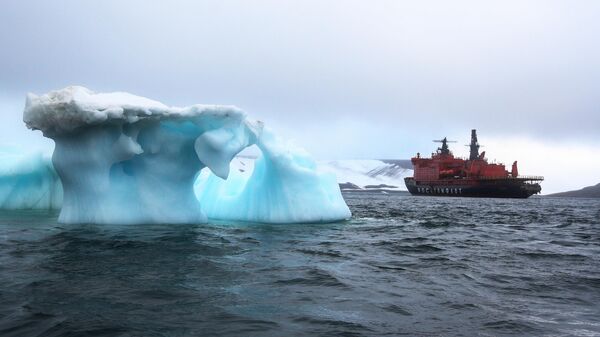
[127, 159]
[28, 181]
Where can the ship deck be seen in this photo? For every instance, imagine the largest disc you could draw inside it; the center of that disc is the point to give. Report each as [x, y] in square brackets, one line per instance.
[473, 180]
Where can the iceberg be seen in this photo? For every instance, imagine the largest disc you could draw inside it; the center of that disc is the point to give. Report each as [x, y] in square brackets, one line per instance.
[127, 159]
[284, 186]
[28, 181]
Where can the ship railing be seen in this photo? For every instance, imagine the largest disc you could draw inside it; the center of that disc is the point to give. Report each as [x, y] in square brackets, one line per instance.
[536, 178]
[458, 180]
[530, 177]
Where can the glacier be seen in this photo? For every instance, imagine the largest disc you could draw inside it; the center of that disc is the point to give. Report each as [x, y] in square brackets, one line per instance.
[127, 159]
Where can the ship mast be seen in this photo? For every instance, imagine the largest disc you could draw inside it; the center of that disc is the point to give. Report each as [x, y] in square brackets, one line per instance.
[474, 146]
[444, 149]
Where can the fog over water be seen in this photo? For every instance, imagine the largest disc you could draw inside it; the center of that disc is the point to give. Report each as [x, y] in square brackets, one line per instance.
[346, 79]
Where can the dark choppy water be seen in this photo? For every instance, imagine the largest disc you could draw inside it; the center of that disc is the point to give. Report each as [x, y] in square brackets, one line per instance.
[404, 265]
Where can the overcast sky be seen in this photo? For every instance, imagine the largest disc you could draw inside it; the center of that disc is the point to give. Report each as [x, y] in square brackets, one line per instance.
[346, 79]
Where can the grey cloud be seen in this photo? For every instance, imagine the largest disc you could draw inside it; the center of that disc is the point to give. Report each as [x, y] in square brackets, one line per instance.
[510, 67]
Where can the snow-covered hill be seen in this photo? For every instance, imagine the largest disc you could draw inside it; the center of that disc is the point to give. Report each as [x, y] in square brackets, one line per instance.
[354, 174]
[373, 174]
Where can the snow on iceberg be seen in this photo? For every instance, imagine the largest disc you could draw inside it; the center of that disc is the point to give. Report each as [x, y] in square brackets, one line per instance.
[28, 181]
[128, 159]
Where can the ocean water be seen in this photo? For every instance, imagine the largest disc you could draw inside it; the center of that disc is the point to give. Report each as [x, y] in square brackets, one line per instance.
[414, 266]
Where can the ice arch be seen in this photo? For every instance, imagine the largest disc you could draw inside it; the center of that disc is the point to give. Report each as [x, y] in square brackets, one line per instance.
[285, 186]
[128, 159]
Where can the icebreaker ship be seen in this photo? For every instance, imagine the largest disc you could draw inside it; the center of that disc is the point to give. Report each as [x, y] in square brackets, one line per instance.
[127, 159]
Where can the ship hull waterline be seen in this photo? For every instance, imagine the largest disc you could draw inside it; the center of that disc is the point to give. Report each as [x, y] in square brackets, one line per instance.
[500, 188]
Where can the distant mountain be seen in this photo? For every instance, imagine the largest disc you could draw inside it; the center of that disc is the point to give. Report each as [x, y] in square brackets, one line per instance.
[586, 192]
[370, 174]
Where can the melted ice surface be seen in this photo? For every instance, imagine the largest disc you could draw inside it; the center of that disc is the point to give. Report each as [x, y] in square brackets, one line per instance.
[122, 158]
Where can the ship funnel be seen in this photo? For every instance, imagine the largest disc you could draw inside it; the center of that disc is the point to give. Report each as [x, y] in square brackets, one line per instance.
[514, 172]
[474, 146]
